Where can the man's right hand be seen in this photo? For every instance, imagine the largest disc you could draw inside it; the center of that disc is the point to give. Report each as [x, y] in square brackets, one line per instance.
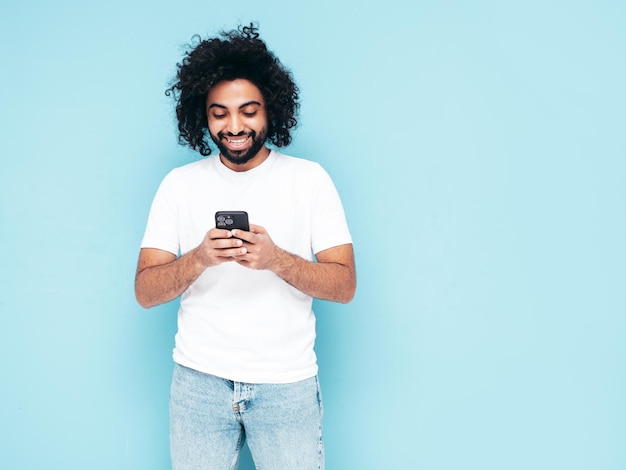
[161, 276]
[218, 246]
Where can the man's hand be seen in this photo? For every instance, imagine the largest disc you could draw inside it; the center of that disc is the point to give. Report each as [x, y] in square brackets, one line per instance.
[260, 251]
[161, 276]
[331, 277]
[219, 246]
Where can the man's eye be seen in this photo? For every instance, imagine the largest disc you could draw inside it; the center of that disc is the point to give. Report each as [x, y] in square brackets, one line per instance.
[219, 116]
[250, 114]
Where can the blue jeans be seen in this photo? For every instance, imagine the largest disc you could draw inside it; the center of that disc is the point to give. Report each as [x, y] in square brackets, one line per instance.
[210, 418]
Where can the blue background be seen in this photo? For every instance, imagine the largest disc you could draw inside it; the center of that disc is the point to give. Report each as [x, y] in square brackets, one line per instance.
[479, 148]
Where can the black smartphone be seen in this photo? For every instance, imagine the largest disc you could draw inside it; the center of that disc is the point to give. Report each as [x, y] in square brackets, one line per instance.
[232, 219]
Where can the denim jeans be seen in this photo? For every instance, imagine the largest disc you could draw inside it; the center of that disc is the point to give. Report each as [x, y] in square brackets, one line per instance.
[211, 418]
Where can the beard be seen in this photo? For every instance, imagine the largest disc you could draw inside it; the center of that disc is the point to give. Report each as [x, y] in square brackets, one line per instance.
[243, 156]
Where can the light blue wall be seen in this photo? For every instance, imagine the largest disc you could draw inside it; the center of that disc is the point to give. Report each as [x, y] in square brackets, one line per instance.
[480, 149]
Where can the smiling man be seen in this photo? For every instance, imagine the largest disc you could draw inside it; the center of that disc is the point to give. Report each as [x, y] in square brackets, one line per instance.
[245, 367]
[231, 106]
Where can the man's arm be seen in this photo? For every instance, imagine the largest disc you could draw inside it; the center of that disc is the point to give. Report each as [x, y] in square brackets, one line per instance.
[332, 277]
[161, 276]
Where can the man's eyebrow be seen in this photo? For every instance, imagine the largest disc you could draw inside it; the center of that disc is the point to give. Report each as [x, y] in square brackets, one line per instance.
[248, 103]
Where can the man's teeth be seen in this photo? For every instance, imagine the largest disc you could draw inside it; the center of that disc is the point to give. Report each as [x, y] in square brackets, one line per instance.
[239, 141]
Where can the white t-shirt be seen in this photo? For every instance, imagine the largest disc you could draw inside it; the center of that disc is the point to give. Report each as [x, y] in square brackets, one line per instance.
[234, 322]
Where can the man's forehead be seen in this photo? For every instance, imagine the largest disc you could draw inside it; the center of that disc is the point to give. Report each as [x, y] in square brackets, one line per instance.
[239, 92]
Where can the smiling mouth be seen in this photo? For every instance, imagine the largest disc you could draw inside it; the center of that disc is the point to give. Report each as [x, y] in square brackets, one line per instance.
[237, 142]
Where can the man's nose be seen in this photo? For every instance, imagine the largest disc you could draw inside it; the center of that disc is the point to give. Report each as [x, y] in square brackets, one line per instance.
[235, 125]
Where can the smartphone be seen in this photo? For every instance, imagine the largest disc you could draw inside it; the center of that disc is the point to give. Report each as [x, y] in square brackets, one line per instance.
[232, 219]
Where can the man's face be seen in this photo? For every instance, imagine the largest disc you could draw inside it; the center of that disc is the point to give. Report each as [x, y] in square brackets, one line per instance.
[238, 123]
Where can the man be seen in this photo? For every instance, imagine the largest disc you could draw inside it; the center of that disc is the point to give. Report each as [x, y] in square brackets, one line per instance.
[245, 368]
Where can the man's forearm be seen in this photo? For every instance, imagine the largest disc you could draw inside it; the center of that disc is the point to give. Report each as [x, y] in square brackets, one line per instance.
[323, 280]
[162, 277]
[155, 285]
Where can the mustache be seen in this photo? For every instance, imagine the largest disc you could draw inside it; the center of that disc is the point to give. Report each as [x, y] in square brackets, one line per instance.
[240, 134]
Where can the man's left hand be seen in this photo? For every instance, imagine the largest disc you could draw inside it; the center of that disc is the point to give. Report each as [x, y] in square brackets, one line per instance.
[261, 250]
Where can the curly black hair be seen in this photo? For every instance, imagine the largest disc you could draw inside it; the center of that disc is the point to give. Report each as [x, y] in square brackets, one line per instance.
[236, 54]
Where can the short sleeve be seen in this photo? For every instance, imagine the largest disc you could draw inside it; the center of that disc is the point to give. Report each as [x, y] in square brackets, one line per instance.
[162, 227]
[329, 227]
